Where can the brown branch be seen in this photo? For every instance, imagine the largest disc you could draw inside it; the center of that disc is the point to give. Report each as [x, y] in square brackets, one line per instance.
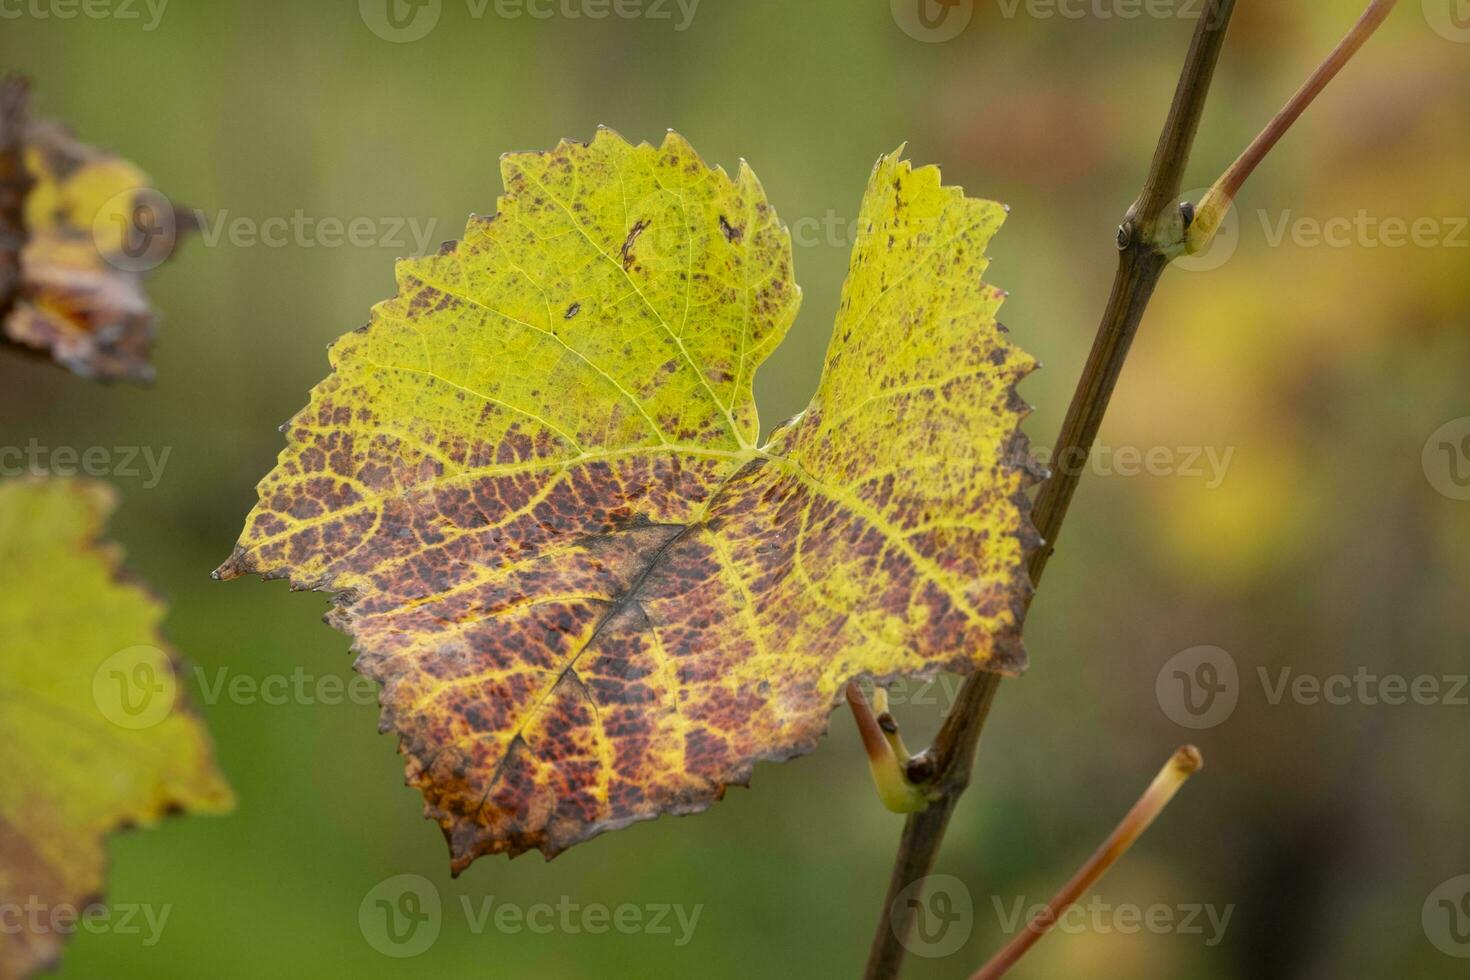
[1153, 226]
[1153, 233]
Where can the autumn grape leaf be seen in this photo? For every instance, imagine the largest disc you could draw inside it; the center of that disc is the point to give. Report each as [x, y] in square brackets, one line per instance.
[534, 476]
[78, 229]
[94, 737]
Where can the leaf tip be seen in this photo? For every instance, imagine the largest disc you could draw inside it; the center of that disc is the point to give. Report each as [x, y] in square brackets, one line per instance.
[231, 568]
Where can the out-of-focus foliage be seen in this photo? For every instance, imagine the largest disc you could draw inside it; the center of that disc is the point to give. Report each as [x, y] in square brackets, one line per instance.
[94, 738]
[78, 228]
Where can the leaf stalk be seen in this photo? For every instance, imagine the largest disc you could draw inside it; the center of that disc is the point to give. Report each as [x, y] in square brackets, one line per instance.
[1183, 764]
[1217, 202]
[887, 758]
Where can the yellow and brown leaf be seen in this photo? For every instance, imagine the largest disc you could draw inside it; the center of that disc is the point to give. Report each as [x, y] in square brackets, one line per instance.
[83, 756]
[534, 476]
[78, 229]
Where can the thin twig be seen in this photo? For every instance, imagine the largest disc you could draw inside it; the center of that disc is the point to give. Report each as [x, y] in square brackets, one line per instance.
[1216, 204]
[1184, 763]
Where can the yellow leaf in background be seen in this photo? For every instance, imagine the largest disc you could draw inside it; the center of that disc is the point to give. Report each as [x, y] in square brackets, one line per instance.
[78, 229]
[590, 596]
[95, 735]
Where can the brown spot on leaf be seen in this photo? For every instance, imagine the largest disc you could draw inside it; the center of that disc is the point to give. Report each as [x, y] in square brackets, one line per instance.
[633, 234]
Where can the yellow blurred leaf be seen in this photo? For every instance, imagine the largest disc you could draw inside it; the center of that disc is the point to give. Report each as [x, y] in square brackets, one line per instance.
[95, 732]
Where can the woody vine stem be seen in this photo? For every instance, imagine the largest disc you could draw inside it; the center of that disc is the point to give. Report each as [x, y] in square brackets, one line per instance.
[1155, 231]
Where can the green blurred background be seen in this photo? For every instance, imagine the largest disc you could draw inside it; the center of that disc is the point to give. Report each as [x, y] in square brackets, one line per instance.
[1323, 368]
